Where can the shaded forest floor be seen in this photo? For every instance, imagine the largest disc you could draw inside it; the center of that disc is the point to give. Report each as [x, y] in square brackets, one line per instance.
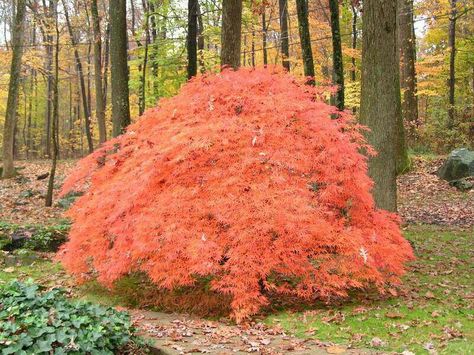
[433, 312]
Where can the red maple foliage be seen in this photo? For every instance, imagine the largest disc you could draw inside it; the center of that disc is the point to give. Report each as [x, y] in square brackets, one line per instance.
[242, 178]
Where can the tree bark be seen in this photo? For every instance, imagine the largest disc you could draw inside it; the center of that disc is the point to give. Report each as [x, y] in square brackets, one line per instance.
[354, 41]
[407, 41]
[264, 37]
[145, 59]
[284, 38]
[380, 108]
[305, 39]
[55, 121]
[13, 90]
[452, 66]
[49, 81]
[200, 39]
[191, 40]
[231, 35]
[119, 66]
[85, 103]
[99, 93]
[338, 68]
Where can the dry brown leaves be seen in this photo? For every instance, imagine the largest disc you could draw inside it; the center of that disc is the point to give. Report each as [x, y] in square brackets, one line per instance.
[22, 198]
[425, 198]
[187, 335]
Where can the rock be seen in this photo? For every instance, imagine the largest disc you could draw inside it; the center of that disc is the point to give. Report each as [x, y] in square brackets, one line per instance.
[460, 164]
[464, 184]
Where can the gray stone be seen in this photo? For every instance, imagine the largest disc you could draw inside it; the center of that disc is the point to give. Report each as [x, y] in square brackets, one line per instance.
[460, 164]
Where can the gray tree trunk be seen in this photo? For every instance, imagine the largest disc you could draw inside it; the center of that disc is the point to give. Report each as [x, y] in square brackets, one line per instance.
[231, 35]
[99, 93]
[119, 66]
[13, 90]
[380, 107]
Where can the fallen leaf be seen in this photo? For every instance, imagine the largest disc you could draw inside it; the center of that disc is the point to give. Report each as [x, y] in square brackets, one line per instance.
[394, 315]
[335, 350]
[430, 295]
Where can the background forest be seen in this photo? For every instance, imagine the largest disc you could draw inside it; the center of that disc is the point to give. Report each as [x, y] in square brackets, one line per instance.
[436, 35]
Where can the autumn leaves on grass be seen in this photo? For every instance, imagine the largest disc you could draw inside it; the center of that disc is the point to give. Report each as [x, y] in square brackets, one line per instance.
[242, 179]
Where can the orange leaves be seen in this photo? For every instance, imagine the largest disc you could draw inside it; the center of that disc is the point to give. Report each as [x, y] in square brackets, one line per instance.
[243, 178]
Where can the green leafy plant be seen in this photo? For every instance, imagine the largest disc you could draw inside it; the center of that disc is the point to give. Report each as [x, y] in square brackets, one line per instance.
[33, 237]
[39, 322]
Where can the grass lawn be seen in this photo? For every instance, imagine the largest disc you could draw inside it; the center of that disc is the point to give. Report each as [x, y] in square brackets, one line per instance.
[434, 309]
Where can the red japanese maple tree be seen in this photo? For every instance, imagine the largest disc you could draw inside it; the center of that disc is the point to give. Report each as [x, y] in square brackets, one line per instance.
[244, 178]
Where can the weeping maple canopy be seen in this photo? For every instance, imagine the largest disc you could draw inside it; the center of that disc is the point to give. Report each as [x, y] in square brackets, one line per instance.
[245, 179]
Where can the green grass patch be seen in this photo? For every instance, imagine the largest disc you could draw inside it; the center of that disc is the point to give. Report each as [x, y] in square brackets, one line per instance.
[434, 308]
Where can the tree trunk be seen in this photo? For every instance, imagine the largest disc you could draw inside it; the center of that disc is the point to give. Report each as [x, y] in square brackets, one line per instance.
[119, 66]
[200, 39]
[106, 63]
[85, 103]
[264, 36]
[407, 40]
[145, 59]
[452, 66]
[13, 90]
[99, 93]
[49, 89]
[380, 107]
[231, 33]
[354, 41]
[284, 38]
[154, 49]
[191, 42]
[55, 121]
[338, 68]
[303, 26]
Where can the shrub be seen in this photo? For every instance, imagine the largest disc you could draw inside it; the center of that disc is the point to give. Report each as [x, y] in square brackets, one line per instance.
[33, 237]
[34, 322]
[242, 178]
